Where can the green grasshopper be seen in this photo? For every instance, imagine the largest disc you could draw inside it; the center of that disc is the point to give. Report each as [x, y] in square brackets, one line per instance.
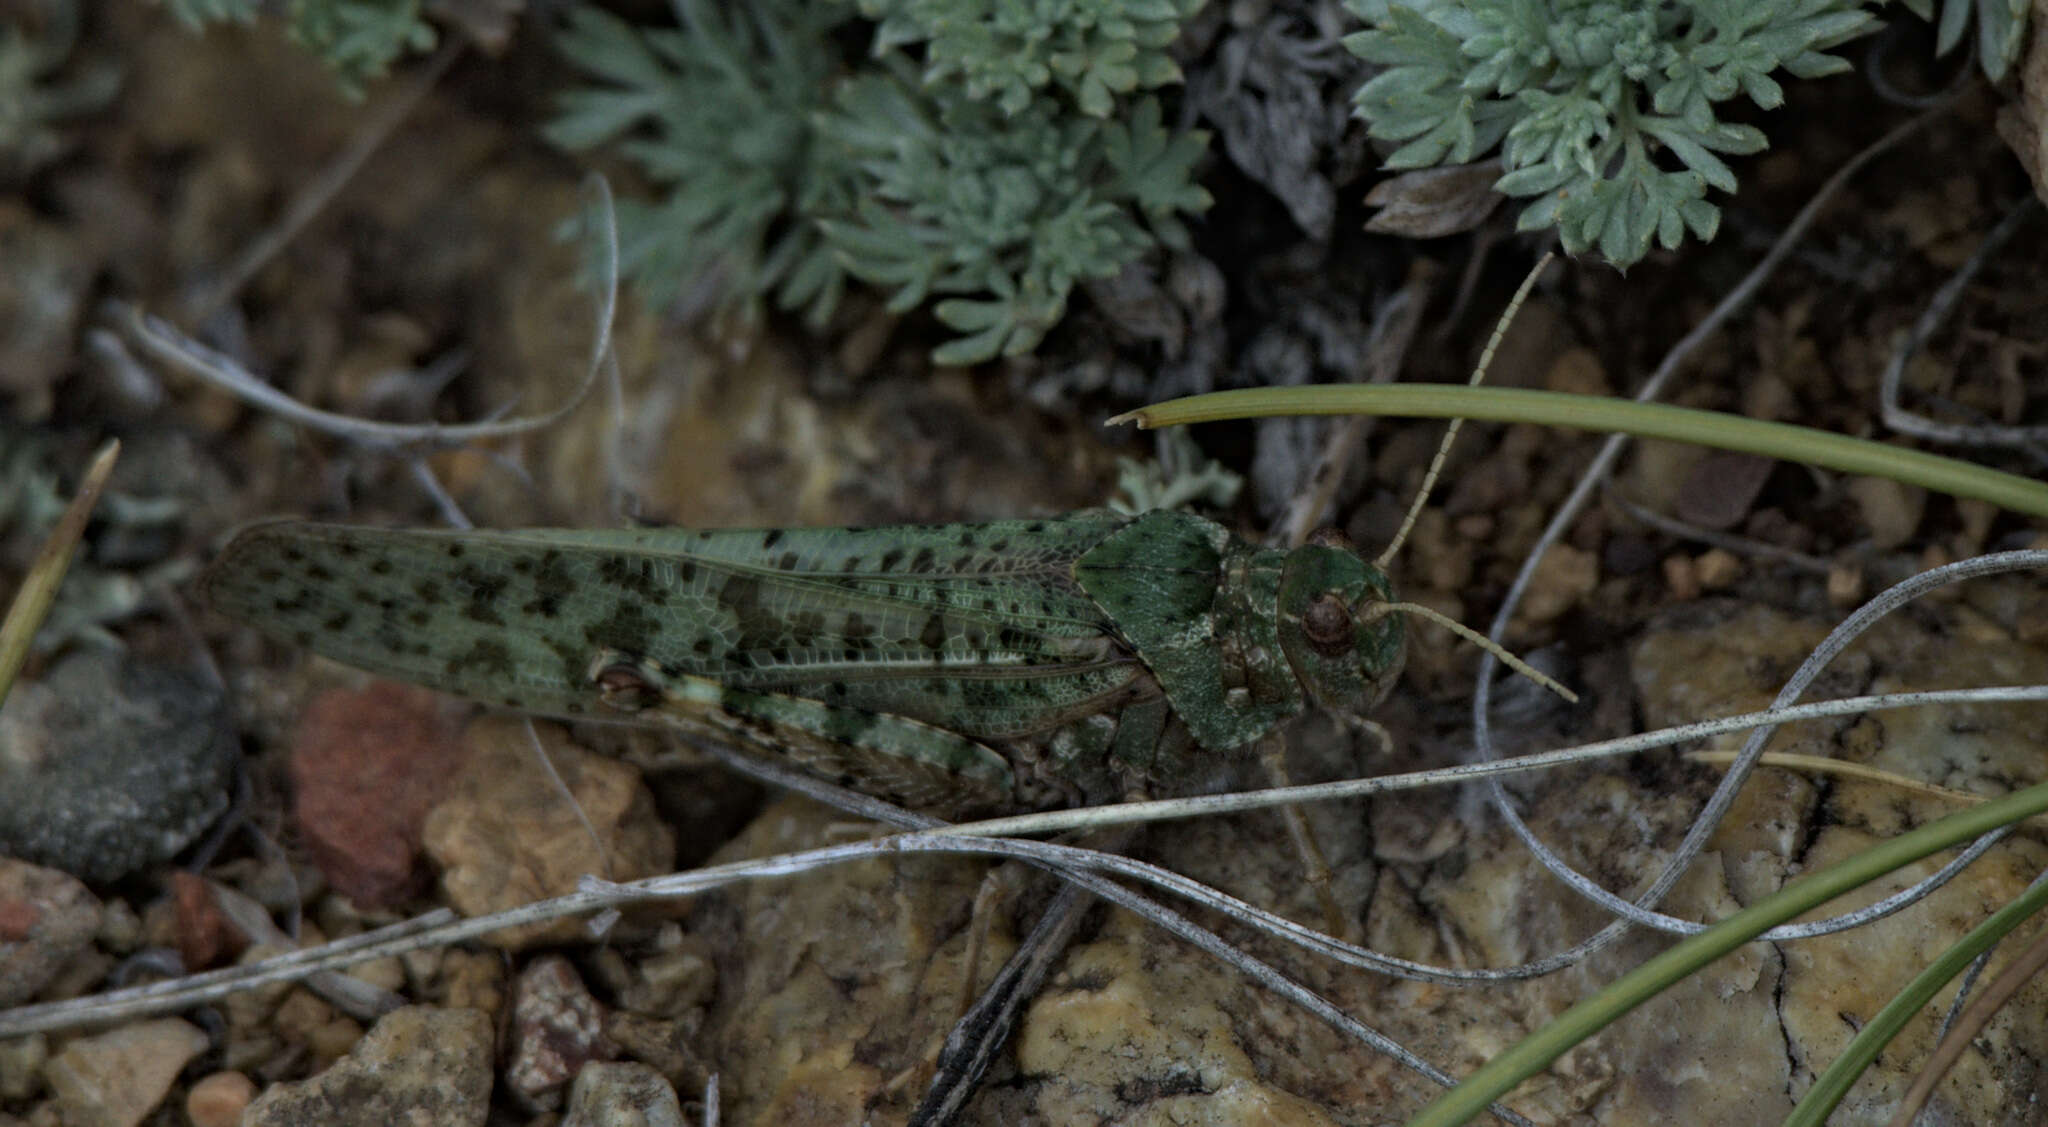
[952, 668]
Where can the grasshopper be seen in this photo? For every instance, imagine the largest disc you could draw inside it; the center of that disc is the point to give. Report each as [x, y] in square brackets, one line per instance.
[954, 668]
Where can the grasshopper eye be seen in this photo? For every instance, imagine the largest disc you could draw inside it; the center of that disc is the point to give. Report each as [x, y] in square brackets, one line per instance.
[1327, 625]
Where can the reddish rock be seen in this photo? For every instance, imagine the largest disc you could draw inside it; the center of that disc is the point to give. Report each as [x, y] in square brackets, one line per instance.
[206, 938]
[366, 767]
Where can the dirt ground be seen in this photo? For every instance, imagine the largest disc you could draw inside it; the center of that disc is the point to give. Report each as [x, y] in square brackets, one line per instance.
[433, 288]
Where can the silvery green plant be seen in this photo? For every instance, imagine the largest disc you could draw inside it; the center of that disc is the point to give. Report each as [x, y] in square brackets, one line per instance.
[791, 168]
[357, 39]
[1008, 51]
[1603, 112]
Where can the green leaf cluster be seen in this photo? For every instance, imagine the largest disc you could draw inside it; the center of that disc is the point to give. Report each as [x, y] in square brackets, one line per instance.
[2001, 28]
[1603, 110]
[793, 166]
[357, 39]
[1008, 51]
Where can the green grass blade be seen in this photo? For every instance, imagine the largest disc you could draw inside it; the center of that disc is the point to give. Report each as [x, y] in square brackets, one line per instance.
[1601, 413]
[1498, 1076]
[39, 588]
[1829, 1088]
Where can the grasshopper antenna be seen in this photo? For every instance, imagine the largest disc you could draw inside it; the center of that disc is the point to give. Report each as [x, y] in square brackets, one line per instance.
[1476, 638]
[1436, 466]
[1443, 449]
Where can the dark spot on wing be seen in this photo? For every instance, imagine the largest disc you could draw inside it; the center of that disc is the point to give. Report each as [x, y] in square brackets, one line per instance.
[759, 626]
[551, 584]
[485, 655]
[629, 629]
[484, 588]
[630, 573]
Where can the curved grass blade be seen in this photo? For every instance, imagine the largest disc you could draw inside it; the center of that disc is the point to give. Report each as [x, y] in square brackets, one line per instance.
[1830, 1086]
[1602, 413]
[1535, 1052]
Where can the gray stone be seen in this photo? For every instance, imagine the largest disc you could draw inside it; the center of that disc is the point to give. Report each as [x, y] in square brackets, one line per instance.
[111, 764]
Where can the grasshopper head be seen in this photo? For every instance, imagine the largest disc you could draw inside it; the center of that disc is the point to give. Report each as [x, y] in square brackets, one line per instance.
[1335, 628]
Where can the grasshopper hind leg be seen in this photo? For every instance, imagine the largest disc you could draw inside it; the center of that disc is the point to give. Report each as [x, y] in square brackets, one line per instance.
[904, 761]
[1338, 923]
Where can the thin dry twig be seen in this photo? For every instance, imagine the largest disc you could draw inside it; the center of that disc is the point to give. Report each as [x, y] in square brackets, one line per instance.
[1595, 475]
[1740, 545]
[441, 926]
[167, 344]
[1938, 309]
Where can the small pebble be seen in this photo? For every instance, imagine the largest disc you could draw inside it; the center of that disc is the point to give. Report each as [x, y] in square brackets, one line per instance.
[473, 979]
[1578, 371]
[1890, 509]
[622, 1095]
[1564, 576]
[1845, 585]
[1718, 569]
[21, 1066]
[1682, 577]
[206, 938]
[507, 836]
[557, 1028]
[46, 919]
[116, 1078]
[217, 1100]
